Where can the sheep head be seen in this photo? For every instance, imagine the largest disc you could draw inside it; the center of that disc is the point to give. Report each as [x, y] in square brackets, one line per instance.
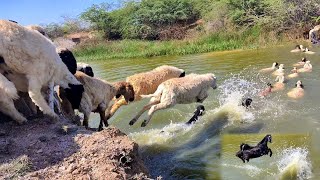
[213, 80]
[126, 90]
[68, 59]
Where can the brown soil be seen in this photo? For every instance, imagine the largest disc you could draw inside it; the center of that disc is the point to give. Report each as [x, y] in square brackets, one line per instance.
[42, 149]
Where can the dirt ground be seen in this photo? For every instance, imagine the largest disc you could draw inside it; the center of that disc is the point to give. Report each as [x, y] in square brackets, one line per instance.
[42, 149]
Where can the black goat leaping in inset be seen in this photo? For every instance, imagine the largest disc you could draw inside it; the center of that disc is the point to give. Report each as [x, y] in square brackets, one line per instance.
[248, 152]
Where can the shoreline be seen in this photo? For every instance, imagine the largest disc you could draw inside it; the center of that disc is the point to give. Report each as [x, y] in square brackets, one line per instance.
[220, 42]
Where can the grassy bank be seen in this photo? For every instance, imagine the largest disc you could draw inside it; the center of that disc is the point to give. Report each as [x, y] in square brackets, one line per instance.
[102, 50]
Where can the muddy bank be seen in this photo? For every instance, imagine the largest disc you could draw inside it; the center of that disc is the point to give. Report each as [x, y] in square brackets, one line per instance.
[42, 149]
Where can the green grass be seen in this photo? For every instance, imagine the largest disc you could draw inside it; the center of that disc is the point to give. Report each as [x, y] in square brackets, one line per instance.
[248, 39]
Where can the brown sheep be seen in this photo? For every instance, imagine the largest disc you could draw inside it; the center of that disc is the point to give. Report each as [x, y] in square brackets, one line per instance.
[148, 82]
[97, 96]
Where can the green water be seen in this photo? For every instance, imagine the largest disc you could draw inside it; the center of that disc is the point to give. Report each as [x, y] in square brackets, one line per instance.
[196, 152]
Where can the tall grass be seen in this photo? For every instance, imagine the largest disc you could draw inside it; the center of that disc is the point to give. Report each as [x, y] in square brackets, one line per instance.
[219, 41]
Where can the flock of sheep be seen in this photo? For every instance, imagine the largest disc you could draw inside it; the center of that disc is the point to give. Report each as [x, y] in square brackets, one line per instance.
[31, 64]
[278, 70]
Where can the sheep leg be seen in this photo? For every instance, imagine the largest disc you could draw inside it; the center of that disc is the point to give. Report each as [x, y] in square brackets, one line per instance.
[116, 106]
[9, 109]
[30, 104]
[153, 109]
[86, 120]
[269, 150]
[51, 97]
[103, 118]
[36, 96]
[145, 108]
[202, 96]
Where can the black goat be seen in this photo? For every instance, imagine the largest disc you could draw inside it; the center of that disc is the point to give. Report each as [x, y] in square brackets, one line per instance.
[69, 60]
[249, 152]
[199, 112]
[246, 102]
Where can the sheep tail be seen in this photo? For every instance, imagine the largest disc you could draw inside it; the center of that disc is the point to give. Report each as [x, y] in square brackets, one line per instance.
[8, 87]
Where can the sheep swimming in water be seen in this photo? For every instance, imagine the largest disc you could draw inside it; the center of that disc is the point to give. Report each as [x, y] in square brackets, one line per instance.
[279, 71]
[307, 67]
[297, 92]
[279, 85]
[301, 63]
[294, 73]
[246, 102]
[298, 48]
[266, 91]
[273, 67]
[199, 112]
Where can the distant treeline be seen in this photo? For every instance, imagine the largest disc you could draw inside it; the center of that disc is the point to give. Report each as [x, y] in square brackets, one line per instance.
[178, 19]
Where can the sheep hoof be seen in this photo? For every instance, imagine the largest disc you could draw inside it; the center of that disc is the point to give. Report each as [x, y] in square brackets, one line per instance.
[144, 123]
[21, 122]
[132, 122]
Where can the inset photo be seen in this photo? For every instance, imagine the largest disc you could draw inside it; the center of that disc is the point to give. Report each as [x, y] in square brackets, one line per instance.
[266, 156]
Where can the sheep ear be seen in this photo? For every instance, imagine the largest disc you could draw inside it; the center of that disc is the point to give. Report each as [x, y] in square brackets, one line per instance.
[118, 95]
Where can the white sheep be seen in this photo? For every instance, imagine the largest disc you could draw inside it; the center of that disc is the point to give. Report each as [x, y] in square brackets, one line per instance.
[148, 82]
[8, 93]
[188, 89]
[97, 96]
[28, 53]
[40, 29]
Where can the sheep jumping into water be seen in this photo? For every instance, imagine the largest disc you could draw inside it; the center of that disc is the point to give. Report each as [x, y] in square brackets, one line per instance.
[248, 152]
[97, 96]
[30, 54]
[185, 90]
[148, 82]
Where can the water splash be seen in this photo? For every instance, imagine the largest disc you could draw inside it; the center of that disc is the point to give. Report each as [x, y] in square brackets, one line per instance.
[248, 84]
[250, 170]
[295, 164]
[161, 136]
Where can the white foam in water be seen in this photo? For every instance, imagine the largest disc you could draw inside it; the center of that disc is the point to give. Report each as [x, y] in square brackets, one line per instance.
[240, 86]
[160, 136]
[250, 170]
[295, 161]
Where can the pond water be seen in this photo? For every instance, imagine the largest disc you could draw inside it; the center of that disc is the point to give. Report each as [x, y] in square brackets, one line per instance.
[197, 151]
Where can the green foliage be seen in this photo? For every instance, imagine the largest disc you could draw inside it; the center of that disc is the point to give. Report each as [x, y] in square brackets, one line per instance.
[99, 18]
[223, 40]
[142, 20]
[54, 30]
